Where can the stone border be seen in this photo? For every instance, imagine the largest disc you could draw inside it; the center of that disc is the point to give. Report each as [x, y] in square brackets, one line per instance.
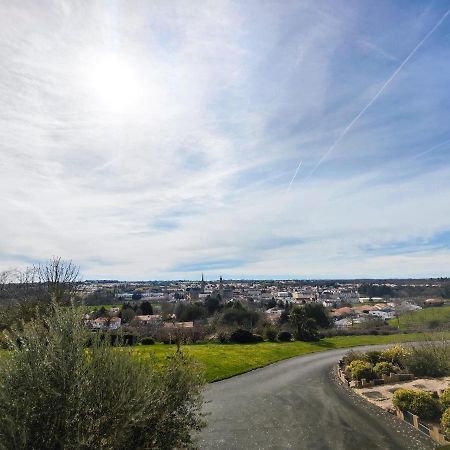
[434, 432]
[413, 420]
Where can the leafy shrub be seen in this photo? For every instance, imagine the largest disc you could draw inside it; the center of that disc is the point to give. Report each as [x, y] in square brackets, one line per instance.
[258, 338]
[394, 354]
[445, 398]
[241, 336]
[420, 403]
[270, 334]
[361, 369]
[353, 355]
[430, 359]
[54, 394]
[284, 336]
[147, 341]
[384, 368]
[403, 398]
[373, 356]
[223, 337]
[445, 420]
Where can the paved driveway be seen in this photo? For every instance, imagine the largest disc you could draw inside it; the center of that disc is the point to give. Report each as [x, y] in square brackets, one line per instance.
[295, 404]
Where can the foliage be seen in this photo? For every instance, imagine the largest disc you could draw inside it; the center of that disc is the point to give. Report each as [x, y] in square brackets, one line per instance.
[55, 394]
[306, 327]
[241, 336]
[190, 312]
[317, 312]
[146, 308]
[147, 341]
[100, 297]
[445, 420]
[361, 369]
[237, 315]
[127, 315]
[372, 290]
[270, 334]
[373, 356]
[445, 398]
[284, 336]
[271, 303]
[212, 303]
[420, 403]
[430, 358]
[384, 368]
[394, 354]
[353, 355]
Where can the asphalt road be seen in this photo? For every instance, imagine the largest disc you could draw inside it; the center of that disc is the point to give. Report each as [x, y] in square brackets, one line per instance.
[298, 404]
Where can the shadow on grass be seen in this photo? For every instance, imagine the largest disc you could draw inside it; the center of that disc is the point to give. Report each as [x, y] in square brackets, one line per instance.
[325, 344]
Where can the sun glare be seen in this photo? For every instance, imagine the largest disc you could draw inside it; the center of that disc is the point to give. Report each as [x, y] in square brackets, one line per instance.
[114, 85]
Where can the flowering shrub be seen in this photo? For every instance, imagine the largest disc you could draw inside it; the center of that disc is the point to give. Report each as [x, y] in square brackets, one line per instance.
[420, 403]
[360, 369]
[384, 368]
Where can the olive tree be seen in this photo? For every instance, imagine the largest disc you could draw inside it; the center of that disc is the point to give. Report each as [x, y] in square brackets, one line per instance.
[57, 392]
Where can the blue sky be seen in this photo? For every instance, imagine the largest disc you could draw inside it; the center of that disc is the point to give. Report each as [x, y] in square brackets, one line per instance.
[160, 139]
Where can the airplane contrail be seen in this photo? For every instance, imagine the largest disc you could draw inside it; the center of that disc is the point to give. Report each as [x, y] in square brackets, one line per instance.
[293, 178]
[431, 149]
[385, 85]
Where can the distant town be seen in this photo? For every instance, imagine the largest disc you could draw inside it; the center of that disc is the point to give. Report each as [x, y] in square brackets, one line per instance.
[350, 304]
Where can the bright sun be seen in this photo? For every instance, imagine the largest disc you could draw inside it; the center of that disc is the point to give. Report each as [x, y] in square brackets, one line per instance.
[114, 84]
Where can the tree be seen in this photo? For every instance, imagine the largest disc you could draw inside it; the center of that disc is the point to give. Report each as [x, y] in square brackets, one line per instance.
[191, 312]
[127, 315]
[306, 327]
[54, 395]
[136, 296]
[271, 303]
[212, 304]
[146, 308]
[60, 277]
[318, 313]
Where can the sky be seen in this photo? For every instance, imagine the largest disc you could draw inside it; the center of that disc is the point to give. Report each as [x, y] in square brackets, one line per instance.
[257, 139]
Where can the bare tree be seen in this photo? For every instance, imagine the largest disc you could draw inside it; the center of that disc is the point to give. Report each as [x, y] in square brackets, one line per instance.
[59, 277]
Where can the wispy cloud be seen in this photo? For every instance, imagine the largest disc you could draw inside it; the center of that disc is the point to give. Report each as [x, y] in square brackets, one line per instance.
[190, 173]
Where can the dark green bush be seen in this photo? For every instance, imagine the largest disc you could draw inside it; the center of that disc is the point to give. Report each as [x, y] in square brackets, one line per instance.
[284, 336]
[257, 338]
[55, 394]
[361, 370]
[420, 403]
[384, 368]
[241, 336]
[147, 341]
[403, 398]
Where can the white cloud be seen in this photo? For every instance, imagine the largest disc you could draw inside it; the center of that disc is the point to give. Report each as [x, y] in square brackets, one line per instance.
[190, 164]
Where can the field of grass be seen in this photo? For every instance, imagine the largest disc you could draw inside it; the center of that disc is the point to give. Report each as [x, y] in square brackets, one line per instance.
[94, 307]
[427, 318]
[221, 361]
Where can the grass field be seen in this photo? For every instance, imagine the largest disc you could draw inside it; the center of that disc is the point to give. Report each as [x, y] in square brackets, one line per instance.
[221, 361]
[94, 307]
[427, 318]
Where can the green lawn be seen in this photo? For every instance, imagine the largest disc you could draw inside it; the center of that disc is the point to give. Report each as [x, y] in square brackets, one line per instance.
[94, 307]
[437, 317]
[222, 361]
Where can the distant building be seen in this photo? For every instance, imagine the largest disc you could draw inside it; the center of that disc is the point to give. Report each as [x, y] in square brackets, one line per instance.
[150, 319]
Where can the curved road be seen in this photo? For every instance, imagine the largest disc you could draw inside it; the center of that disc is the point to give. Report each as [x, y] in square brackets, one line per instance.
[296, 404]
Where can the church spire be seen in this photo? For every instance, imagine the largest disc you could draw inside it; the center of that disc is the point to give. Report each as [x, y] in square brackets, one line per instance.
[202, 289]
